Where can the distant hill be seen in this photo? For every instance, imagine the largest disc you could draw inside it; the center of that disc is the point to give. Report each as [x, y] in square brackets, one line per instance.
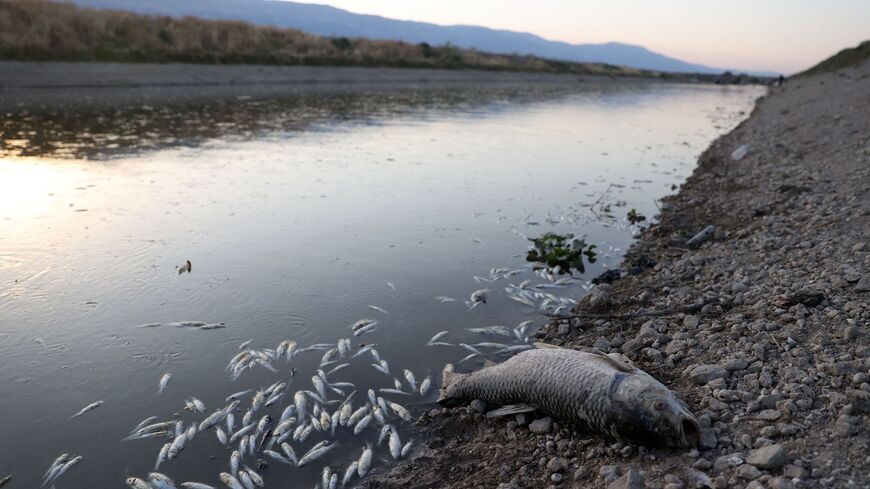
[333, 22]
[844, 59]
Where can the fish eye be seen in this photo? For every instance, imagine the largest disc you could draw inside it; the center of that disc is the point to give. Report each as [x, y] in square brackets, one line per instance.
[659, 406]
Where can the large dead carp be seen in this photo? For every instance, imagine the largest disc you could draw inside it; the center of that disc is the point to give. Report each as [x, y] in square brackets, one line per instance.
[586, 388]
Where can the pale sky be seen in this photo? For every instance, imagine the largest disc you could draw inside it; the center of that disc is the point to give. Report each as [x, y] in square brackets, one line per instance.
[777, 35]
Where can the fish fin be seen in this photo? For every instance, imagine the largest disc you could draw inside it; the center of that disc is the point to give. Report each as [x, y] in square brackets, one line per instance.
[448, 377]
[546, 346]
[488, 363]
[616, 360]
[511, 409]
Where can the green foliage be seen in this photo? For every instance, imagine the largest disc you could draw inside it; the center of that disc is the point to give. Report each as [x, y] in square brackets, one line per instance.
[563, 251]
[342, 43]
[426, 50]
[635, 217]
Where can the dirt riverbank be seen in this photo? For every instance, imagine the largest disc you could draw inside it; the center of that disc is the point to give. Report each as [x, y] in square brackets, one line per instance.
[762, 329]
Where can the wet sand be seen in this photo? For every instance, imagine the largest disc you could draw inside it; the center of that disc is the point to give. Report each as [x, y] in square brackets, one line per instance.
[36, 86]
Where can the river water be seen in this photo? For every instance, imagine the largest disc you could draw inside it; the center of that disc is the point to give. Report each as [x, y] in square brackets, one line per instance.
[296, 216]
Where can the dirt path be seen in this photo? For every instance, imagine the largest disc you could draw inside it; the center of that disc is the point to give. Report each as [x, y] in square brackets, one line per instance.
[774, 353]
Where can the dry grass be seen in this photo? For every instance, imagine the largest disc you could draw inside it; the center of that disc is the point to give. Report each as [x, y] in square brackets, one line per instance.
[844, 59]
[42, 30]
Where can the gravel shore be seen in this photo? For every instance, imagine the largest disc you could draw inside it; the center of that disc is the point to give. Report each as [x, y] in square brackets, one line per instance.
[762, 327]
[37, 86]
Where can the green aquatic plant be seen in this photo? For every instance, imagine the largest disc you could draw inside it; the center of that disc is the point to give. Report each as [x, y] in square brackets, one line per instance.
[635, 217]
[561, 252]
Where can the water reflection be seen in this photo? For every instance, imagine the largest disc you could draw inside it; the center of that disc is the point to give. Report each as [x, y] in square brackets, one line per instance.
[99, 134]
[295, 220]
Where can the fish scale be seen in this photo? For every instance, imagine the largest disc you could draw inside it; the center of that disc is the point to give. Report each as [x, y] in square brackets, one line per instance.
[560, 382]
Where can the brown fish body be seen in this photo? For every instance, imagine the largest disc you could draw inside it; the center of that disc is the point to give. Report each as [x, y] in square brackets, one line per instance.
[585, 388]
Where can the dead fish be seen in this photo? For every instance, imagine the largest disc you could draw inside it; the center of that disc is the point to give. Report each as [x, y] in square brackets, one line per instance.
[184, 268]
[349, 473]
[89, 407]
[195, 485]
[424, 386]
[230, 481]
[160, 481]
[391, 285]
[277, 457]
[164, 381]
[478, 297]
[444, 299]
[409, 376]
[62, 469]
[315, 453]
[407, 448]
[437, 337]
[364, 330]
[379, 309]
[365, 461]
[135, 483]
[588, 388]
[395, 445]
[491, 330]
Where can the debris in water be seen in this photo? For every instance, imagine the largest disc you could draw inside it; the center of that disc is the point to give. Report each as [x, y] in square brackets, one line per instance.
[184, 268]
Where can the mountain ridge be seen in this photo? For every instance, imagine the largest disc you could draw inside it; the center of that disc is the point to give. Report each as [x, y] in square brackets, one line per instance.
[326, 20]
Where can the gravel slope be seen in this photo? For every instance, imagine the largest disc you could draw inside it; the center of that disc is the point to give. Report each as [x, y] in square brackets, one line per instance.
[763, 329]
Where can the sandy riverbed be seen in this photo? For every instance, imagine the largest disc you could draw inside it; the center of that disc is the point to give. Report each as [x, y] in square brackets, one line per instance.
[764, 329]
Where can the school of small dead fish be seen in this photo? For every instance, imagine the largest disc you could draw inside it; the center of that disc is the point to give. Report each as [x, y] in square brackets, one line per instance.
[274, 423]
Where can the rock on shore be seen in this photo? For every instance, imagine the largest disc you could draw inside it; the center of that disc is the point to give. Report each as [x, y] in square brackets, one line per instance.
[765, 331]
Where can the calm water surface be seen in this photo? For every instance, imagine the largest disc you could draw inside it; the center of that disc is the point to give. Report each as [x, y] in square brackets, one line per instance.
[295, 216]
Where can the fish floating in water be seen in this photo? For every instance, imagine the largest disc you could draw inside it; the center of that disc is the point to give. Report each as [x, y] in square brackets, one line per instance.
[89, 407]
[587, 388]
[5, 480]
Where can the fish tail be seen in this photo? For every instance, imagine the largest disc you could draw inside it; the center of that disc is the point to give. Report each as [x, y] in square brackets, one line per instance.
[448, 378]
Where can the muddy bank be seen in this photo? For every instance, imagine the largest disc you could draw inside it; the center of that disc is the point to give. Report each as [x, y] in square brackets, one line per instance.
[36, 86]
[762, 328]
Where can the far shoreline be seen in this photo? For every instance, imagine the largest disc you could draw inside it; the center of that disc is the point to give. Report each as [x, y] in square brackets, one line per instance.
[52, 85]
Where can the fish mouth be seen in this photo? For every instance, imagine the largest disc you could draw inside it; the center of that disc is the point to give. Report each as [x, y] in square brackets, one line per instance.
[691, 430]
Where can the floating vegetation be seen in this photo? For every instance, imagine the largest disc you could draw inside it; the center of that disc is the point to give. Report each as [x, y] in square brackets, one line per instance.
[561, 252]
[635, 217]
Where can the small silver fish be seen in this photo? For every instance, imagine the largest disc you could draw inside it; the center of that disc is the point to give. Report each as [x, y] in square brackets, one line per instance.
[230, 481]
[365, 461]
[395, 445]
[425, 385]
[379, 309]
[164, 381]
[437, 337]
[89, 407]
[349, 473]
[314, 454]
[409, 376]
[160, 481]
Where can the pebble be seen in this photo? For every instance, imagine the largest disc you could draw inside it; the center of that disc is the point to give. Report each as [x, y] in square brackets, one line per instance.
[557, 464]
[478, 406]
[541, 426]
[581, 473]
[631, 480]
[769, 457]
[705, 373]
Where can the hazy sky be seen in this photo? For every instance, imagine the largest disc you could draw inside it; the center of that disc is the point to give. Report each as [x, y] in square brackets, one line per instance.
[779, 35]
